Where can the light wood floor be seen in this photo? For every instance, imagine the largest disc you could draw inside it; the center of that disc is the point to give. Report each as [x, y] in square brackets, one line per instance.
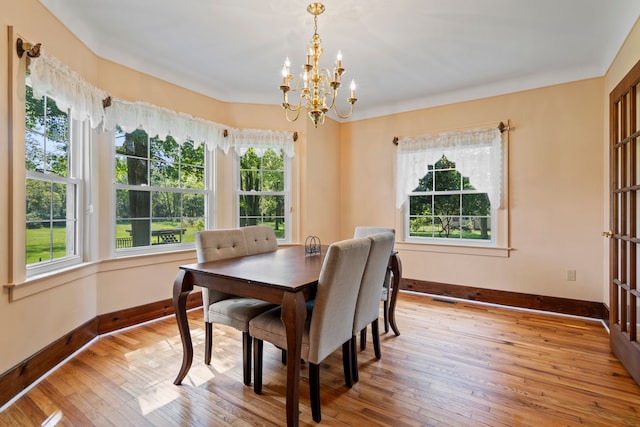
[455, 364]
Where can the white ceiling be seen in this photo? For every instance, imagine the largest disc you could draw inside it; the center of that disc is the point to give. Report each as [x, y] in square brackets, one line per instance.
[403, 54]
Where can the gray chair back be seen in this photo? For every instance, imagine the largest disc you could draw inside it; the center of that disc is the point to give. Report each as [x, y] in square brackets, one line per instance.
[259, 239]
[214, 245]
[368, 303]
[335, 302]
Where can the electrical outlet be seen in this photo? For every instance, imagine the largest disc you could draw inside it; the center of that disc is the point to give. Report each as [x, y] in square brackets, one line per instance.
[571, 275]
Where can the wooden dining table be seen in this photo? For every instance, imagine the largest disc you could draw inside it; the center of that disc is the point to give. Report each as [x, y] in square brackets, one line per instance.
[287, 276]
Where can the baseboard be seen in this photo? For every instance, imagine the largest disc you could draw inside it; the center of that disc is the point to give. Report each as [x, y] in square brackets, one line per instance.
[133, 316]
[21, 376]
[25, 373]
[596, 310]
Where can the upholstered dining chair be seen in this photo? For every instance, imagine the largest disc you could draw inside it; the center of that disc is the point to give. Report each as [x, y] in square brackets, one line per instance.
[223, 308]
[385, 294]
[329, 320]
[368, 302]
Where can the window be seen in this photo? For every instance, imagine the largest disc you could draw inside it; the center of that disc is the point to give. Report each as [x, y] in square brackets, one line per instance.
[445, 205]
[262, 192]
[450, 187]
[53, 186]
[161, 192]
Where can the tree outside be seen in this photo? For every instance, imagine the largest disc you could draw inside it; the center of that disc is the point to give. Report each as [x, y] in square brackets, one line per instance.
[47, 193]
[448, 206]
[167, 204]
[261, 196]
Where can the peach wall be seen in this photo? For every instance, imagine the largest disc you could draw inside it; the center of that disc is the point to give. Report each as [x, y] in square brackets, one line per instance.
[555, 173]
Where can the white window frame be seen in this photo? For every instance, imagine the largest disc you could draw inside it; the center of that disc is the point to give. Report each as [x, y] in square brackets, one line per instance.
[75, 236]
[286, 193]
[498, 245]
[208, 191]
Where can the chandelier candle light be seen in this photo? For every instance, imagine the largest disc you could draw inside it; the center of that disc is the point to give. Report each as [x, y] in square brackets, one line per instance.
[318, 86]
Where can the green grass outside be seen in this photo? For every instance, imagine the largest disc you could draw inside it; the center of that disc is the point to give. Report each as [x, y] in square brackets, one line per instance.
[38, 244]
[38, 239]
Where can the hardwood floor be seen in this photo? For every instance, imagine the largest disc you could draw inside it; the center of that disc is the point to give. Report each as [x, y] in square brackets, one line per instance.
[455, 364]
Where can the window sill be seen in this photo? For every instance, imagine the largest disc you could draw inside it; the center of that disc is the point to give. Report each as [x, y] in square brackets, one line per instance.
[36, 284]
[492, 251]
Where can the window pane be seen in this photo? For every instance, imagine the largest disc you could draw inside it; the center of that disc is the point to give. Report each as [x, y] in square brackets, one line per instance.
[167, 149]
[272, 206]
[38, 196]
[140, 232]
[421, 226]
[193, 205]
[420, 205]
[34, 151]
[448, 226]
[135, 143]
[476, 228]
[59, 240]
[476, 204]
[133, 204]
[249, 206]
[164, 174]
[38, 241]
[446, 204]
[59, 201]
[249, 180]
[191, 226]
[447, 180]
[192, 156]
[192, 177]
[273, 181]
[165, 231]
[166, 204]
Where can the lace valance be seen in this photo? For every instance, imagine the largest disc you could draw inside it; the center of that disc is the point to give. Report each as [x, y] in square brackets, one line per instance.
[476, 153]
[71, 92]
[260, 140]
[162, 122]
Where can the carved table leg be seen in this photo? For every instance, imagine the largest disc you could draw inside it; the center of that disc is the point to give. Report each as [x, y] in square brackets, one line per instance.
[293, 316]
[396, 267]
[182, 286]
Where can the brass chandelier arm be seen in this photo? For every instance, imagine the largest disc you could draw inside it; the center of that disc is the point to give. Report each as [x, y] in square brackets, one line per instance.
[318, 87]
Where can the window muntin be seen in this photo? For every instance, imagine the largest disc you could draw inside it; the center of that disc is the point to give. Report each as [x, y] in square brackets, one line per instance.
[52, 188]
[262, 194]
[446, 207]
[161, 191]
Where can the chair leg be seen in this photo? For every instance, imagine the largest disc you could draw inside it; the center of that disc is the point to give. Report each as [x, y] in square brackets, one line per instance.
[208, 342]
[354, 359]
[257, 365]
[347, 359]
[363, 338]
[385, 308]
[314, 391]
[246, 357]
[375, 338]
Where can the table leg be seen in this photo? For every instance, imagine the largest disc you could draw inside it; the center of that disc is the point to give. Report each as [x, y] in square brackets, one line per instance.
[294, 313]
[396, 267]
[182, 286]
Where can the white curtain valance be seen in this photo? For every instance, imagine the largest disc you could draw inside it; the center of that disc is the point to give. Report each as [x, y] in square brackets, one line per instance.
[260, 140]
[52, 78]
[71, 92]
[162, 122]
[476, 153]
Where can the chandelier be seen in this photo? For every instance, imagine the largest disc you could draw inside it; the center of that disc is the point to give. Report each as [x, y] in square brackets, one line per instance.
[318, 87]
